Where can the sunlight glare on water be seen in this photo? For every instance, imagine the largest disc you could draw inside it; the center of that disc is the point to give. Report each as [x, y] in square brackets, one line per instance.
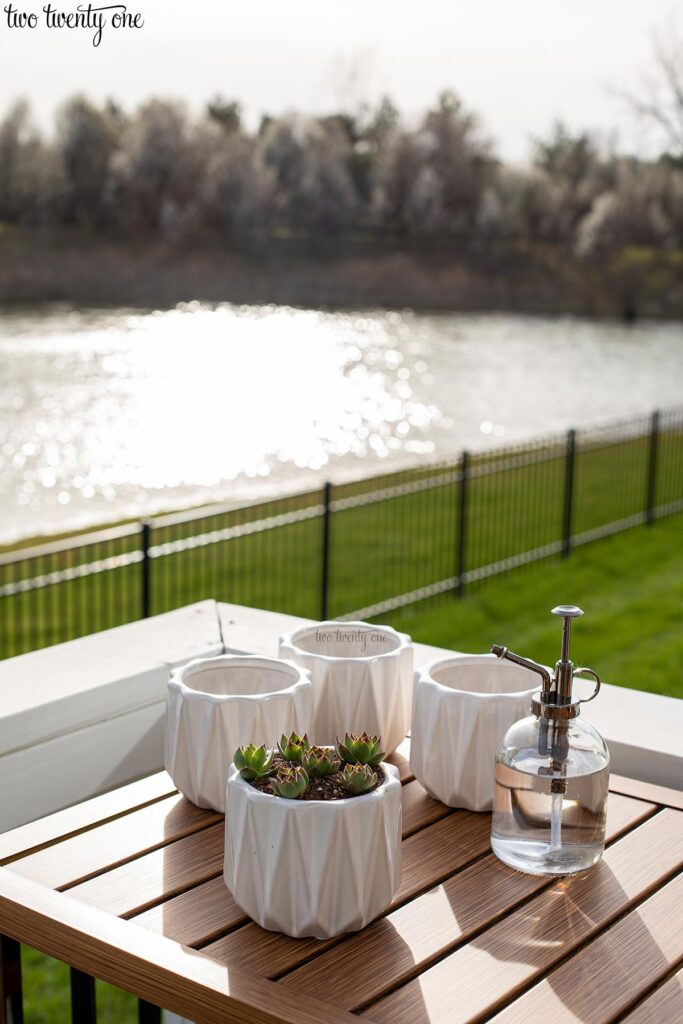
[106, 414]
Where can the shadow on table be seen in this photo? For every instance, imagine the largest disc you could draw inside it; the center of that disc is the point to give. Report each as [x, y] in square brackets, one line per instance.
[550, 927]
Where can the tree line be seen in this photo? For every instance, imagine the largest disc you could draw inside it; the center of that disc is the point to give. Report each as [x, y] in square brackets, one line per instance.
[161, 171]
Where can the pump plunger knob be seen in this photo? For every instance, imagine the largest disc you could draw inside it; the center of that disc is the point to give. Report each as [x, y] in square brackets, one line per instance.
[564, 668]
[567, 611]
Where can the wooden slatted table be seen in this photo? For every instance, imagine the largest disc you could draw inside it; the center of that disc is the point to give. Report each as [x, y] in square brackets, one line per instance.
[128, 888]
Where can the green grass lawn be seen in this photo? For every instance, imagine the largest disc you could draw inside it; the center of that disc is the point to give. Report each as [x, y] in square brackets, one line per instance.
[47, 996]
[630, 586]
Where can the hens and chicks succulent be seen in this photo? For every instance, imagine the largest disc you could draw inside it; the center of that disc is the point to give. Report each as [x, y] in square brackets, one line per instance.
[352, 761]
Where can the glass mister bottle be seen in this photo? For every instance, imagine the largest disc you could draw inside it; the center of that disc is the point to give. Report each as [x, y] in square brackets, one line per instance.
[552, 775]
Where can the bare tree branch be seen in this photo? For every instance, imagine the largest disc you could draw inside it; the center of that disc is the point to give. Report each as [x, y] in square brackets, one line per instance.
[659, 99]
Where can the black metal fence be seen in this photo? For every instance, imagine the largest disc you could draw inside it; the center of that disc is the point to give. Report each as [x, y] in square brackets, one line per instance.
[355, 550]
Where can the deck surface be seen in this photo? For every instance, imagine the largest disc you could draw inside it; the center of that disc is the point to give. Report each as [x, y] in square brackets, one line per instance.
[466, 939]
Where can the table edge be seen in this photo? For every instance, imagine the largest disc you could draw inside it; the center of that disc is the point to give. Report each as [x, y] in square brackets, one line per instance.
[148, 965]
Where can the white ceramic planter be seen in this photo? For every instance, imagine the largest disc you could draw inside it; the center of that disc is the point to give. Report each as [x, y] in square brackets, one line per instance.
[313, 867]
[462, 708]
[362, 679]
[215, 705]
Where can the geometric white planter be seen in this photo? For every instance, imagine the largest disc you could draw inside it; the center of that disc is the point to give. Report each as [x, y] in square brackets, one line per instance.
[462, 708]
[313, 867]
[362, 679]
[215, 705]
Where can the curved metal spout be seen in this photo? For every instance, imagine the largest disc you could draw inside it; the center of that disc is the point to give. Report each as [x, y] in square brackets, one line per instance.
[503, 653]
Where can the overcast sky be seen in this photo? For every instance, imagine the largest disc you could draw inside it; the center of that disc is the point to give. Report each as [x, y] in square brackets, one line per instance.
[519, 63]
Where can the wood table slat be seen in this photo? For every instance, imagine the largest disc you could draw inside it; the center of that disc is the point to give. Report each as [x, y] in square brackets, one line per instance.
[609, 974]
[419, 808]
[196, 916]
[410, 938]
[197, 925]
[156, 876]
[89, 814]
[646, 791]
[664, 1004]
[401, 758]
[89, 853]
[506, 957]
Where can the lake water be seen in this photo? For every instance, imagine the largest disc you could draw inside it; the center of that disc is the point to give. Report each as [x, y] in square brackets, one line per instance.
[106, 414]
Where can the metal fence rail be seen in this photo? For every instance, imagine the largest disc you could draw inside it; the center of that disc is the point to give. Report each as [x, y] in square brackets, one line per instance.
[356, 550]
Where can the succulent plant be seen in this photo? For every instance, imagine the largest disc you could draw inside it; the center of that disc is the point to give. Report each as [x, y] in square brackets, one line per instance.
[358, 778]
[254, 762]
[292, 748]
[361, 749]
[319, 762]
[290, 782]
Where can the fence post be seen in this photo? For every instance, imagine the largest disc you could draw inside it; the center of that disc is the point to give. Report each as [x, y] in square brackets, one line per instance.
[651, 495]
[570, 460]
[148, 1013]
[146, 595]
[325, 575]
[462, 525]
[11, 995]
[83, 1003]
